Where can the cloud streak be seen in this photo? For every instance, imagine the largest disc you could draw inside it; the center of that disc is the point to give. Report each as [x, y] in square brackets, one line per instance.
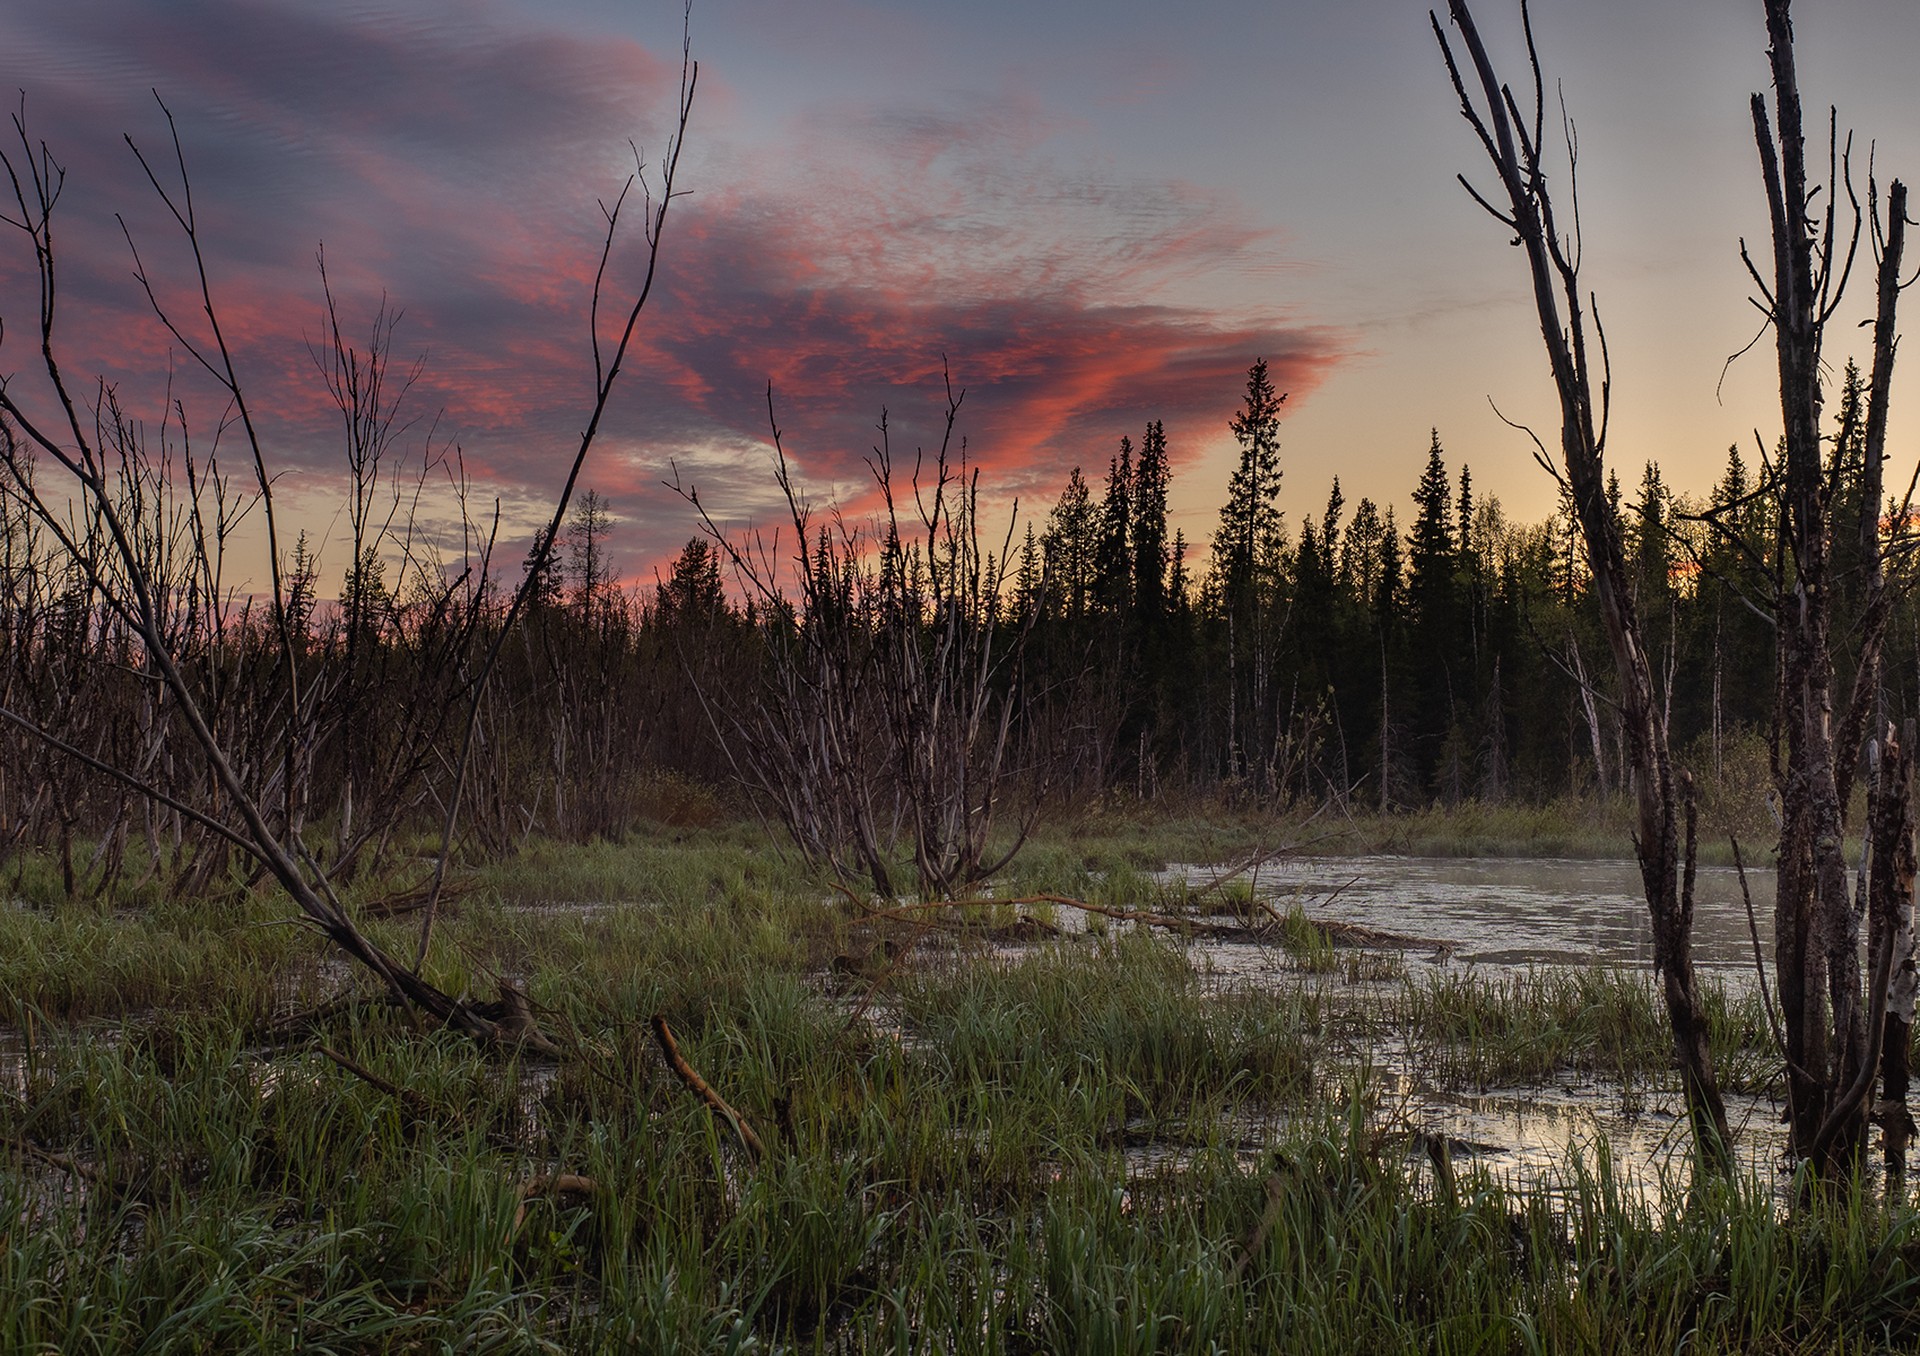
[449, 156]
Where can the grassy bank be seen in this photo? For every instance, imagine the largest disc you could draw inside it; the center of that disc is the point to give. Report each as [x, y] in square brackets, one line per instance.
[1587, 827]
[979, 1137]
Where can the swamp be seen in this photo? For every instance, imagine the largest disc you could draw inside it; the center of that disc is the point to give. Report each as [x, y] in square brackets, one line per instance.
[907, 922]
[1262, 1121]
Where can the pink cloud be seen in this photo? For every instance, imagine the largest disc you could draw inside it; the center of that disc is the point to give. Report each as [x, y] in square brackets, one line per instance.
[454, 163]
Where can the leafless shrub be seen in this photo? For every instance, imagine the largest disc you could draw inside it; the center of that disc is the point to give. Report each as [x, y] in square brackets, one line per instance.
[886, 718]
[148, 685]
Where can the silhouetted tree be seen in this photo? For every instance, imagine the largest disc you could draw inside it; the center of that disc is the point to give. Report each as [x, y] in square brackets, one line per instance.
[1112, 549]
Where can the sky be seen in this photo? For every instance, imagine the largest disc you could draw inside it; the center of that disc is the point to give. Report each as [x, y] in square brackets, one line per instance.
[1089, 215]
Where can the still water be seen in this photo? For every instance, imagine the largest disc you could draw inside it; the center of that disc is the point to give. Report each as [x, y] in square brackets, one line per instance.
[1519, 911]
[1489, 913]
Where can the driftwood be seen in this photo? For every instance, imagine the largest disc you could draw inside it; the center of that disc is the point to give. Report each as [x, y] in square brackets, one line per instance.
[1338, 934]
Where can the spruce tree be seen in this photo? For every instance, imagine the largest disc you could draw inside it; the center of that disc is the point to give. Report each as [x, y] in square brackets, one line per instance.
[1360, 560]
[1249, 533]
[586, 552]
[1112, 553]
[1330, 527]
[1248, 552]
[1179, 586]
[1652, 551]
[1027, 578]
[1432, 580]
[1067, 546]
[692, 594]
[1431, 554]
[1151, 478]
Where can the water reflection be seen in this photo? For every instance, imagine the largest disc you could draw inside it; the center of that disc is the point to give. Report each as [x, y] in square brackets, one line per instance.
[1517, 911]
[1493, 914]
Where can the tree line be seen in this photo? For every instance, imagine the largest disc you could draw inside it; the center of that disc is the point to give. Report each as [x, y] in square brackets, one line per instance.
[1374, 659]
[1379, 656]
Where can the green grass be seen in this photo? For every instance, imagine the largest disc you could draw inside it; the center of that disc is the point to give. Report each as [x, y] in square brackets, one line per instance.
[1501, 1028]
[1082, 1145]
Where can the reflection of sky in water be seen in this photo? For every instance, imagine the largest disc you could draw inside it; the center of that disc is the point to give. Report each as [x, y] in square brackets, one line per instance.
[1516, 911]
[1530, 1136]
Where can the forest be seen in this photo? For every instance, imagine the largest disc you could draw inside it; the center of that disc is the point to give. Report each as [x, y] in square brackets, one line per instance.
[1373, 658]
[1368, 659]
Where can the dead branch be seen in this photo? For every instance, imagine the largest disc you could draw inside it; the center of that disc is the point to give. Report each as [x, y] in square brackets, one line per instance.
[66, 1163]
[700, 1088]
[549, 1183]
[415, 1104]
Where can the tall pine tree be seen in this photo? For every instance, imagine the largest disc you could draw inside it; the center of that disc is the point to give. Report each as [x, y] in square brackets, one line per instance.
[1151, 477]
[1247, 556]
[1112, 550]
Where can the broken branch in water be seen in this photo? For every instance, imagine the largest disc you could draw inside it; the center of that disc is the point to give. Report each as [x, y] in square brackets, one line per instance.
[1141, 916]
[407, 1097]
[1350, 934]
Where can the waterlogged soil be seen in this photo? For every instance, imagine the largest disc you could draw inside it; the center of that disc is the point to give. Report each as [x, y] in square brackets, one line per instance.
[1484, 916]
[1532, 1136]
[1400, 915]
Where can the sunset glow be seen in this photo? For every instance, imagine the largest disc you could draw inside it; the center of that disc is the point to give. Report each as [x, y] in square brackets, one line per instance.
[1090, 219]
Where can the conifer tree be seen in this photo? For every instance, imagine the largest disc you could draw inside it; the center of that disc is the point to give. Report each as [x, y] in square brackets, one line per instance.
[1248, 552]
[1067, 546]
[692, 594]
[547, 590]
[1027, 578]
[1360, 558]
[1250, 519]
[1112, 553]
[1464, 514]
[1652, 551]
[586, 552]
[1151, 477]
[1179, 586]
[1430, 546]
[1387, 597]
[1330, 527]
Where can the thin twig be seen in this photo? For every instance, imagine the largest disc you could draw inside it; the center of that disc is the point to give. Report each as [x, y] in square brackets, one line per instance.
[1759, 965]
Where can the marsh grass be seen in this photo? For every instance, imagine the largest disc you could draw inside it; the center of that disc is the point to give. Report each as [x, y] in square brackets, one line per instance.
[1073, 1146]
[1508, 1027]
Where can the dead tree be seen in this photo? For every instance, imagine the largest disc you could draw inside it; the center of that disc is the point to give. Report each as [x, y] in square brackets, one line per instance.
[83, 472]
[1832, 1029]
[1515, 146]
[892, 678]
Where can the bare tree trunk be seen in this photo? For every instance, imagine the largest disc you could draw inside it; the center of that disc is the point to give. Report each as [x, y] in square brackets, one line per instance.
[1890, 949]
[1592, 709]
[1717, 736]
[1515, 151]
[1829, 1034]
[106, 510]
[1386, 735]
